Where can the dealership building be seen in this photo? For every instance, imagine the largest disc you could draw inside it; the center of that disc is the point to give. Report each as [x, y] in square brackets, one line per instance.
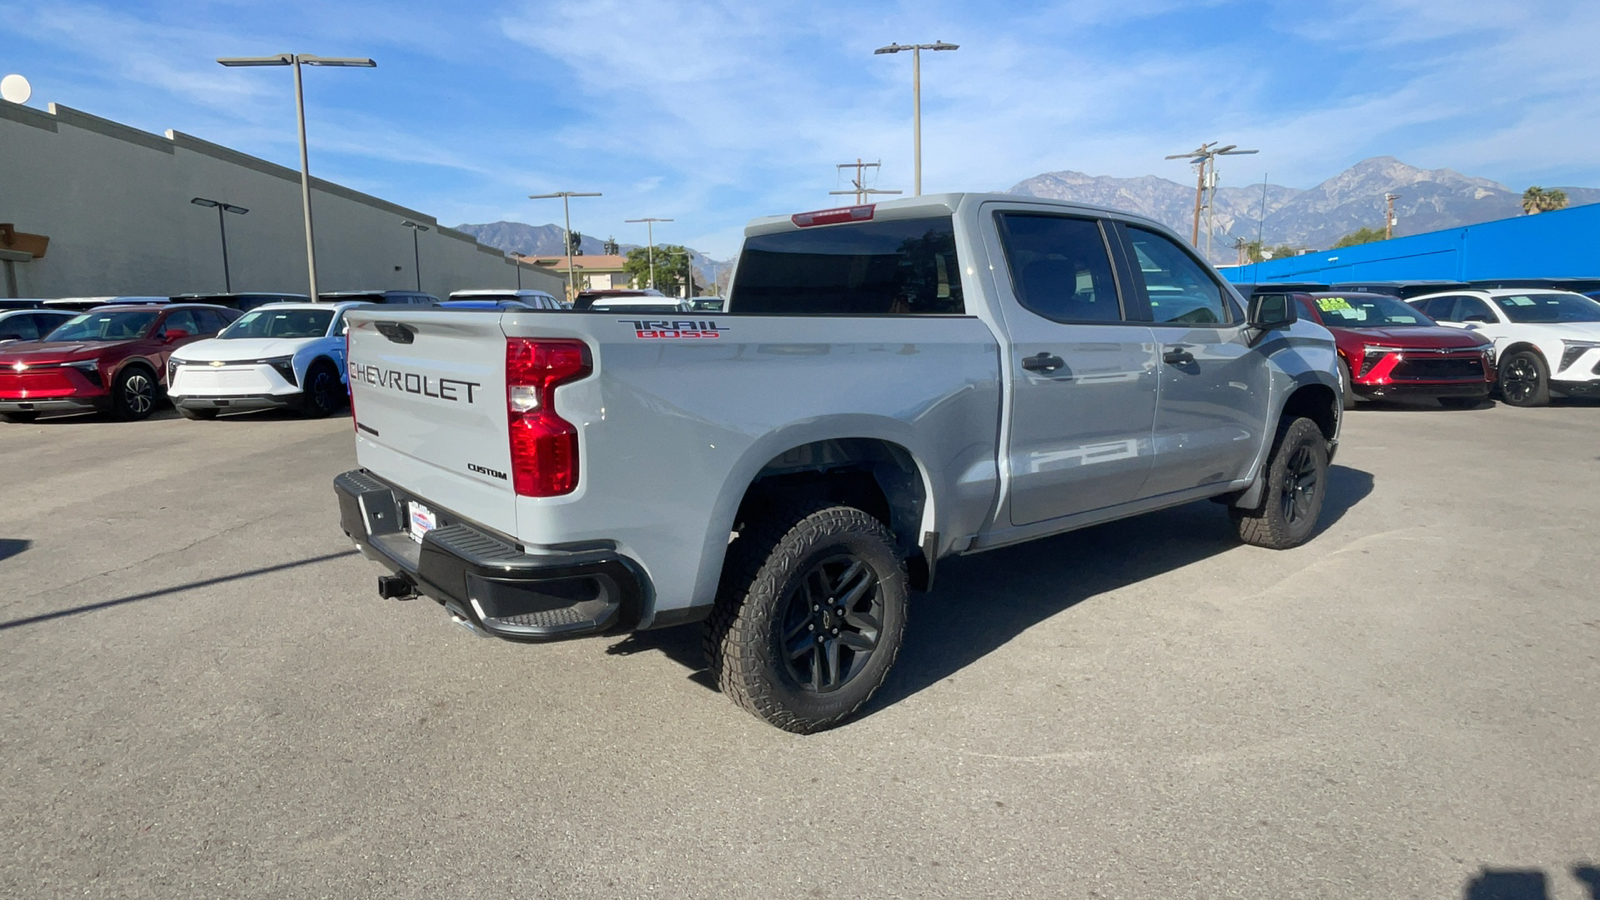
[95, 208]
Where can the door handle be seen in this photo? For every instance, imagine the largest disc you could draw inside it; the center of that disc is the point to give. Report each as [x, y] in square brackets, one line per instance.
[1178, 356]
[1044, 362]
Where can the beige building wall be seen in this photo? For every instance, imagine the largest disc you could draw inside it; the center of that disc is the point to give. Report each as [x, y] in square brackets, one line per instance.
[114, 202]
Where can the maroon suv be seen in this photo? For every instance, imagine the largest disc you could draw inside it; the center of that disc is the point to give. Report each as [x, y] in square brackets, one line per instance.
[112, 359]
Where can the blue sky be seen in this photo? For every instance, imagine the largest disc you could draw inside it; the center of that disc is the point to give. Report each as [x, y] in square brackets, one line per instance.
[712, 113]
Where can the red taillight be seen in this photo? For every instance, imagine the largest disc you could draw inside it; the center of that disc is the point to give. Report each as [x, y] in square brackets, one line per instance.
[834, 216]
[349, 386]
[544, 446]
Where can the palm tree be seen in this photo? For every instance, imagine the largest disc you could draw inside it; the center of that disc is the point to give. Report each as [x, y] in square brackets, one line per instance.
[1537, 200]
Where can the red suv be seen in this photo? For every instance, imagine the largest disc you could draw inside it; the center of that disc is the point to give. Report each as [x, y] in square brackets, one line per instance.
[1389, 349]
[112, 359]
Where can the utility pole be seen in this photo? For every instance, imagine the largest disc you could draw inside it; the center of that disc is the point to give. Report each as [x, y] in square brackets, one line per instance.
[1204, 159]
[858, 183]
[1388, 218]
[1238, 245]
[566, 233]
[650, 229]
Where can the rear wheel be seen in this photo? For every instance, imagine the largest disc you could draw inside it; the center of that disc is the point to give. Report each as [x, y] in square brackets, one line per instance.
[1297, 481]
[133, 394]
[1525, 379]
[809, 617]
[19, 418]
[321, 392]
[1344, 384]
[197, 413]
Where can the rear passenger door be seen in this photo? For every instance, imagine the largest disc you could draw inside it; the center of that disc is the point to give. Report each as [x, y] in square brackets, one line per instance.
[1083, 371]
[1214, 386]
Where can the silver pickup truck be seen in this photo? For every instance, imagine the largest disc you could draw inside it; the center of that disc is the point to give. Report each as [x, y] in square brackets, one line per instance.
[890, 385]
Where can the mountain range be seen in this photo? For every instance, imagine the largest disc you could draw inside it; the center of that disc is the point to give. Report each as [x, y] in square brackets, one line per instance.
[1429, 200]
[1313, 218]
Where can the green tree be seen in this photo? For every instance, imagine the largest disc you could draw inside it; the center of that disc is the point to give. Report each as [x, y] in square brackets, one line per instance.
[1255, 252]
[1361, 235]
[1537, 200]
[672, 267]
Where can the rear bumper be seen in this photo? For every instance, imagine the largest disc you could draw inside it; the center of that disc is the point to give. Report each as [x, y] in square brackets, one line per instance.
[485, 581]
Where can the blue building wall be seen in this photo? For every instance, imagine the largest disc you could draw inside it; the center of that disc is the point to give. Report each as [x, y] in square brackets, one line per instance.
[1562, 244]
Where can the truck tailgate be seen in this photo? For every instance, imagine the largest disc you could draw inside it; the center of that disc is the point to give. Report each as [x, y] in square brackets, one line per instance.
[429, 401]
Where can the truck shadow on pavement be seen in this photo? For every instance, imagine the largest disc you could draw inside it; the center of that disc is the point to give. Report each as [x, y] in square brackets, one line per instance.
[1525, 884]
[175, 589]
[10, 547]
[980, 603]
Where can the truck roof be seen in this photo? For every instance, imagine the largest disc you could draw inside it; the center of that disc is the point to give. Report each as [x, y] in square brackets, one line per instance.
[937, 204]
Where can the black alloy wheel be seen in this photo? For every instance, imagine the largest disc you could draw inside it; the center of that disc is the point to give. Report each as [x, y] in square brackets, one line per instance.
[1524, 379]
[1298, 495]
[832, 623]
[320, 395]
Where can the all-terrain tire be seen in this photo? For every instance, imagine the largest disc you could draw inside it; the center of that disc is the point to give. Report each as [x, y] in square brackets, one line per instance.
[198, 414]
[1347, 392]
[1297, 482]
[1525, 379]
[134, 393]
[809, 615]
[22, 417]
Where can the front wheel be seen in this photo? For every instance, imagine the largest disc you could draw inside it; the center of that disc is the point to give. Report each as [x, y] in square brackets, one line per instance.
[1525, 379]
[809, 617]
[133, 394]
[1297, 481]
[322, 391]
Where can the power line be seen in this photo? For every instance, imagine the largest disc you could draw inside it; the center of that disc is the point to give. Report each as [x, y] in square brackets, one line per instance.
[858, 184]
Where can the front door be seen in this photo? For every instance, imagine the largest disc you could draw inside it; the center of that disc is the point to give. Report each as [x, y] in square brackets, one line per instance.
[1083, 373]
[1214, 387]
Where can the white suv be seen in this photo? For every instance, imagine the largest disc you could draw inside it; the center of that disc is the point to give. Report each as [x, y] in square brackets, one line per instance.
[283, 355]
[1547, 341]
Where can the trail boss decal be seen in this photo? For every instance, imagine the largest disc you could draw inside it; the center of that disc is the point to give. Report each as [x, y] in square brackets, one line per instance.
[660, 329]
[452, 389]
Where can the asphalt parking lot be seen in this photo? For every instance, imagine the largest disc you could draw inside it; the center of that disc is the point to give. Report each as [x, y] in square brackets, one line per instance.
[202, 696]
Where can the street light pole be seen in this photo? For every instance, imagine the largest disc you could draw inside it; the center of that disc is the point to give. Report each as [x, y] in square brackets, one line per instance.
[566, 234]
[916, 99]
[222, 225]
[416, 252]
[650, 229]
[518, 257]
[297, 60]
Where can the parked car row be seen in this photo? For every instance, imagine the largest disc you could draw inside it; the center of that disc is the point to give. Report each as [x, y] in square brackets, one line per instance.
[206, 353]
[1525, 340]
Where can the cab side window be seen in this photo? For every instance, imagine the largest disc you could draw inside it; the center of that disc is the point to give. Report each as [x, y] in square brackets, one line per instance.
[1060, 267]
[1180, 289]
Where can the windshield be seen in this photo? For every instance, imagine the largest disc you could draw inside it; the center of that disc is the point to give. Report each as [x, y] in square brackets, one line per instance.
[1369, 311]
[105, 326]
[1552, 307]
[280, 323]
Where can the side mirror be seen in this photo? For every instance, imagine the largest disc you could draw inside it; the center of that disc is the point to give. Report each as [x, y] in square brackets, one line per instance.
[175, 334]
[1269, 311]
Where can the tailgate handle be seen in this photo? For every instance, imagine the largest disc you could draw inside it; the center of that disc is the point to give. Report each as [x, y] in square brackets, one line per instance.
[394, 331]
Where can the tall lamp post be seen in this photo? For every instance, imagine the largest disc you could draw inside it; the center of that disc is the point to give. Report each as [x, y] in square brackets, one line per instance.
[916, 98]
[566, 234]
[416, 253]
[222, 225]
[297, 60]
[650, 230]
[518, 263]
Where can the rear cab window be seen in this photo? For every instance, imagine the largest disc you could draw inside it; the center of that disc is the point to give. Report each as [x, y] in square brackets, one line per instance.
[885, 267]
